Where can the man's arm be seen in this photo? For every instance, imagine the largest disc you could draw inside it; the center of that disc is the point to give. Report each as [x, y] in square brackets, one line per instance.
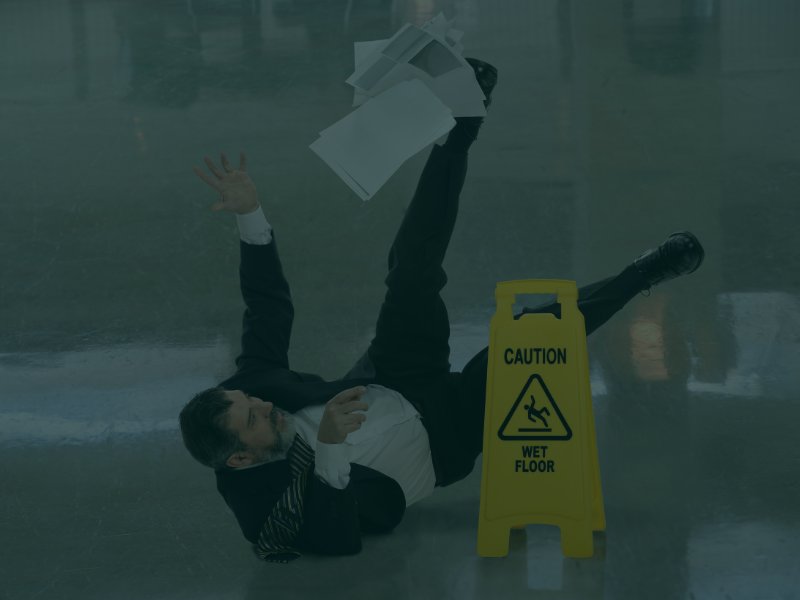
[334, 519]
[336, 508]
[335, 511]
[267, 321]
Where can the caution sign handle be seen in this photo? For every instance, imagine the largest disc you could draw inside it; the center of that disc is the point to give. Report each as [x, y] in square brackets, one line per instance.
[566, 294]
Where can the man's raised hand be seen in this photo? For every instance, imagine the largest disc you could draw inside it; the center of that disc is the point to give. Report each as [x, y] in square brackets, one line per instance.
[339, 419]
[237, 191]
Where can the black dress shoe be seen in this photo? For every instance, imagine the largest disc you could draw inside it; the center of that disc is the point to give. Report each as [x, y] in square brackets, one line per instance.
[486, 75]
[466, 130]
[680, 254]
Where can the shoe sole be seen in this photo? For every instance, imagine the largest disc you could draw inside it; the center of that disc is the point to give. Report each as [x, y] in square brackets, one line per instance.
[697, 243]
[480, 65]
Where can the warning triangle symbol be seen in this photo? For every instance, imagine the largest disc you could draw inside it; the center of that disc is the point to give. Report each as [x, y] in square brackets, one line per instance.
[535, 415]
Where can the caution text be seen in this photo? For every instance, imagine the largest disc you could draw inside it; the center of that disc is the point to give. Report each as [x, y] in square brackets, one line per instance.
[535, 356]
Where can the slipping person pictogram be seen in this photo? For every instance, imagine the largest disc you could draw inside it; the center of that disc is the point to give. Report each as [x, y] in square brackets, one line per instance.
[524, 421]
[536, 415]
[312, 465]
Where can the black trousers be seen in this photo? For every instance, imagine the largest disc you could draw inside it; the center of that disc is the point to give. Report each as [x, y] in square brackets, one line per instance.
[410, 351]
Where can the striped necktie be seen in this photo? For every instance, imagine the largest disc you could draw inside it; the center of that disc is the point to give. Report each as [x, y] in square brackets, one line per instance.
[286, 518]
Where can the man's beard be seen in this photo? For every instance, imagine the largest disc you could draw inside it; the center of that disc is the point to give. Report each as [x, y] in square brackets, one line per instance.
[284, 437]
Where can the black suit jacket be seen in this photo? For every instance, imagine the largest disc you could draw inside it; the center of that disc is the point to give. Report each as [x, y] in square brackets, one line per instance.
[334, 519]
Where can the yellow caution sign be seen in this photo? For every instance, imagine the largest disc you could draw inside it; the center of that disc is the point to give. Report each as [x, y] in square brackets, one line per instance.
[540, 461]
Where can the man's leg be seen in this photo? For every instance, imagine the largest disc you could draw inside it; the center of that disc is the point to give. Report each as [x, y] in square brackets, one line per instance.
[599, 301]
[410, 352]
[680, 254]
[412, 333]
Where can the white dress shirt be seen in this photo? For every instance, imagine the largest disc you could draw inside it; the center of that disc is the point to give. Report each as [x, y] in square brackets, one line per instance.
[392, 440]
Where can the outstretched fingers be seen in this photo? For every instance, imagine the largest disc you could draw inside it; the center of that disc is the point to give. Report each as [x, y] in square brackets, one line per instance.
[207, 179]
[213, 168]
[220, 176]
[227, 165]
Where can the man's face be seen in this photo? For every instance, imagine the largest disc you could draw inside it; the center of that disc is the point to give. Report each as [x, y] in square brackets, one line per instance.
[267, 430]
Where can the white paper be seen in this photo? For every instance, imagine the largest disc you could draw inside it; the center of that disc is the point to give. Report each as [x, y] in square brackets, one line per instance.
[407, 90]
[371, 143]
[418, 53]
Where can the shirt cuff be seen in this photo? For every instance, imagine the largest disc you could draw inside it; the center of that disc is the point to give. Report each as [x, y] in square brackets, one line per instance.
[254, 228]
[332, 464]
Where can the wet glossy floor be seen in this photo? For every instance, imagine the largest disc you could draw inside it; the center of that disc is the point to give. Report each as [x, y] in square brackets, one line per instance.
[613, 124]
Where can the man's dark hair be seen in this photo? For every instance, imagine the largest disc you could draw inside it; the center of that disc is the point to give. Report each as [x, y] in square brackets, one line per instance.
[205, 430]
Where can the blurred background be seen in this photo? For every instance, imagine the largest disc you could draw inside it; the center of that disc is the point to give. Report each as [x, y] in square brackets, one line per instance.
[613, 124]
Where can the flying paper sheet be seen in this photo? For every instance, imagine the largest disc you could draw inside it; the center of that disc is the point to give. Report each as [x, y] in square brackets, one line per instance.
[371, 143]
[419, 53]
[408, 88]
